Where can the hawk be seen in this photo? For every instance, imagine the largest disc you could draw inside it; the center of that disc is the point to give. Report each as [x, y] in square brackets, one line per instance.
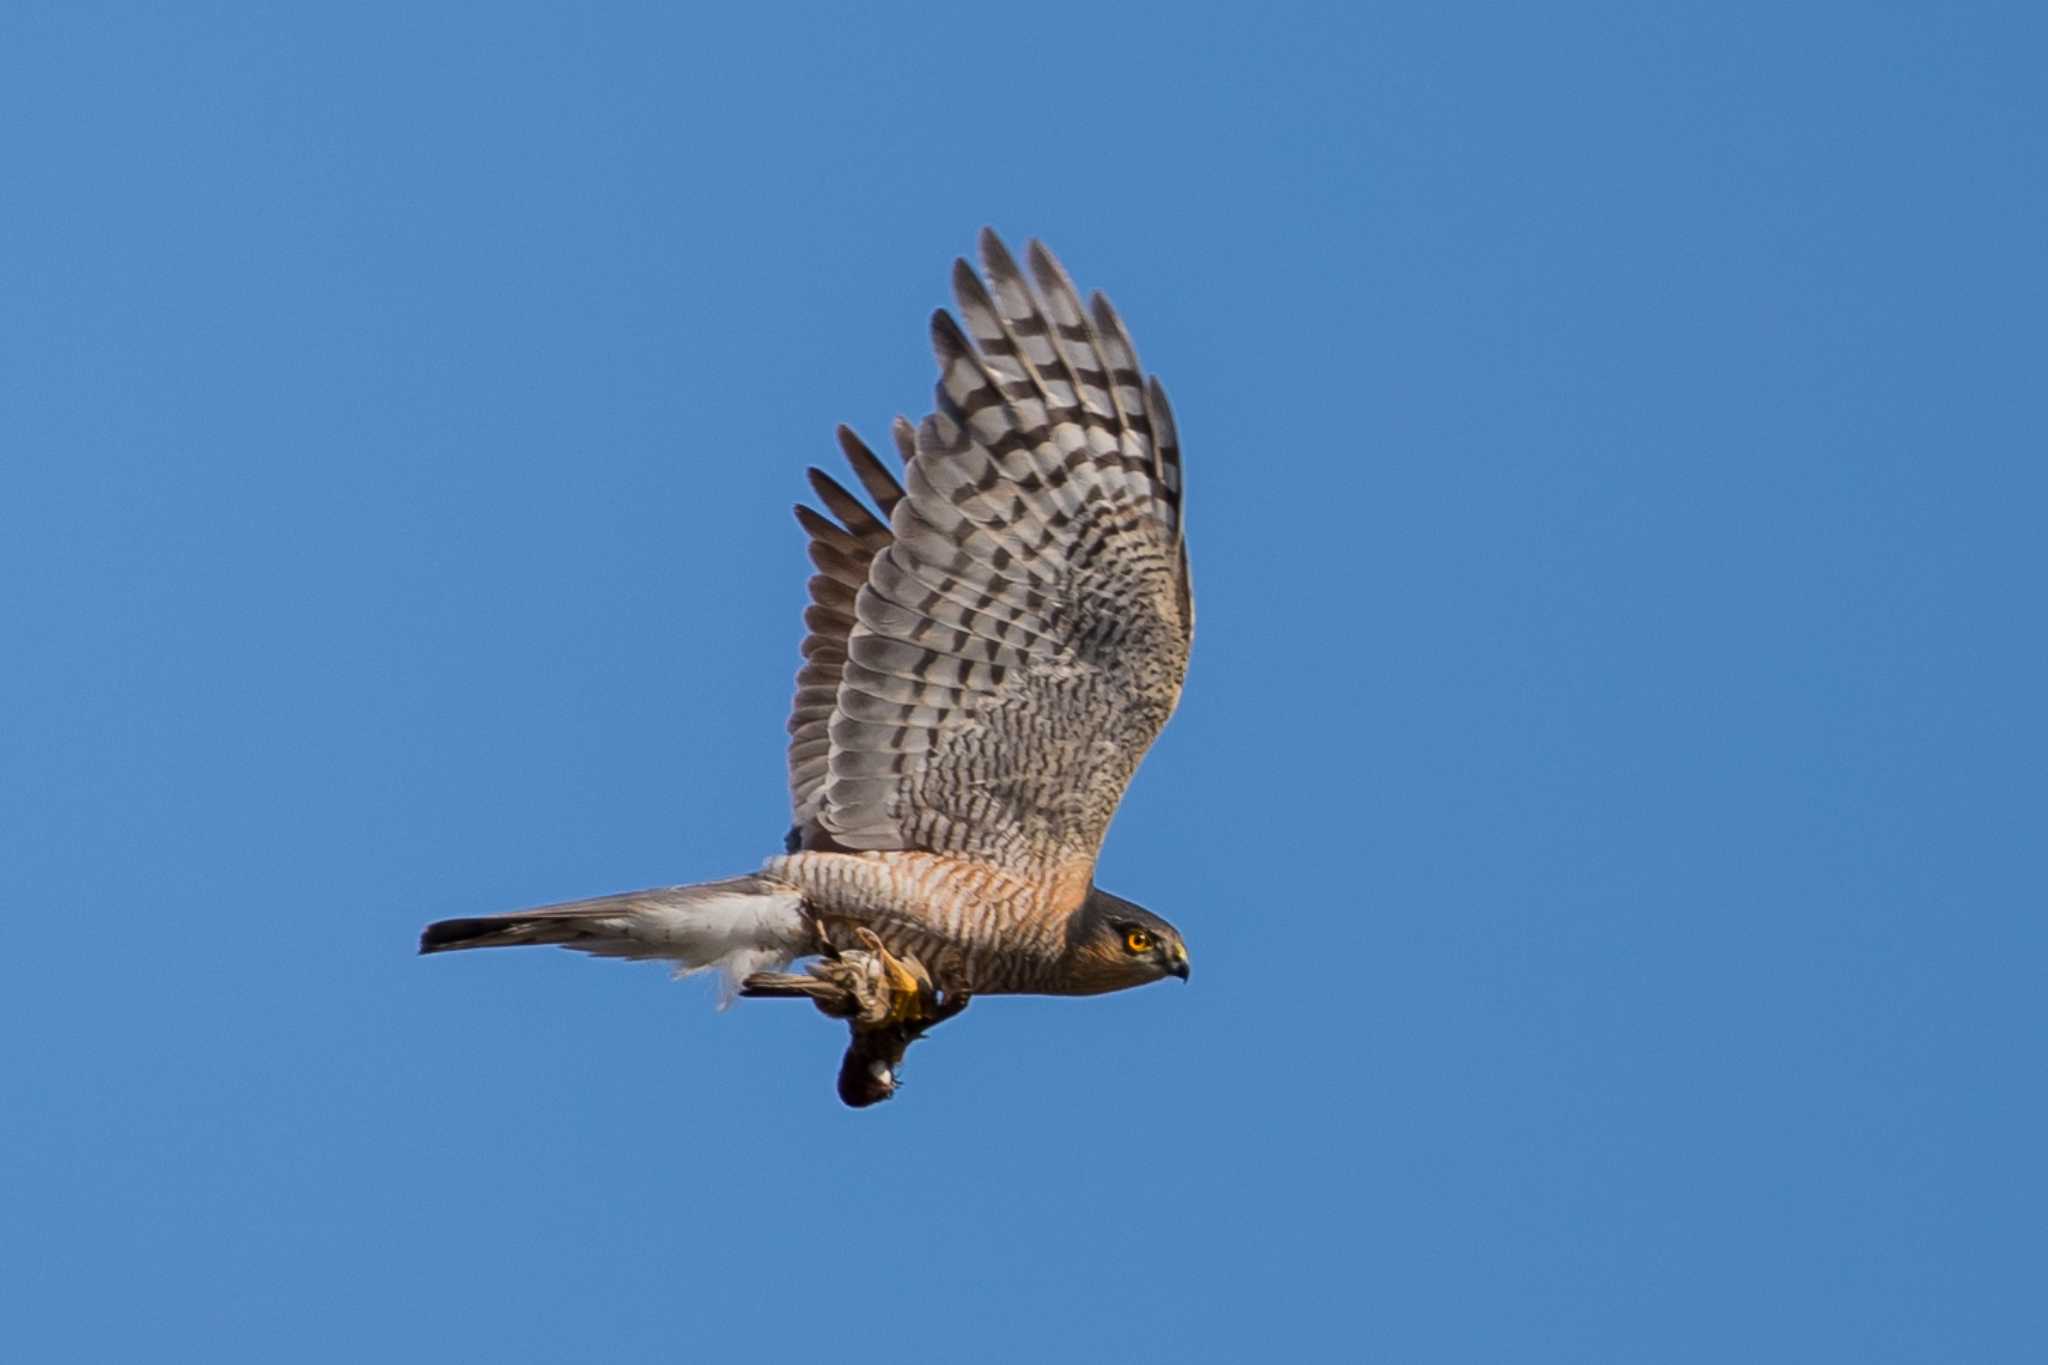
[993, 643]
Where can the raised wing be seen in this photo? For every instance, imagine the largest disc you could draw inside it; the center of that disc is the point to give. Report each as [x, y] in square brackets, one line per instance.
[1000, 657]
[841, 551]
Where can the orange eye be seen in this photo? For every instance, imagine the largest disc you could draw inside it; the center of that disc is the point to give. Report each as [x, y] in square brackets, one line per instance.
[1138, 941]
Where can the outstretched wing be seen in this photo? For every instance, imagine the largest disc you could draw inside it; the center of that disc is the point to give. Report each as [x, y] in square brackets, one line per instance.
[841, 551]
[1019, 633]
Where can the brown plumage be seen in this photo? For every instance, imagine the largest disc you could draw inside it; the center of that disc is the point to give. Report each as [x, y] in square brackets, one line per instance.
[993, 642]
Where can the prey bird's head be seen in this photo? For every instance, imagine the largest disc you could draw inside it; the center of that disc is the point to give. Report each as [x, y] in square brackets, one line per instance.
[1113, 944]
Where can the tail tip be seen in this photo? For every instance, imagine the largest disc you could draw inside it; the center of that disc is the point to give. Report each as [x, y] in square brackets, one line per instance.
[443, 935]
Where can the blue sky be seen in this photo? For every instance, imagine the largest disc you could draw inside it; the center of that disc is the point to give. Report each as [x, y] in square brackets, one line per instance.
[1606, 809]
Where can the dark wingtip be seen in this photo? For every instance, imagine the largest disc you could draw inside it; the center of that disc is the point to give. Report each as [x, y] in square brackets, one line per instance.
[947, 338]
[996, 257]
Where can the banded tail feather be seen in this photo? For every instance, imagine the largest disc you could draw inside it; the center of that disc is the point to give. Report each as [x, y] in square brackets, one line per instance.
[737, 927]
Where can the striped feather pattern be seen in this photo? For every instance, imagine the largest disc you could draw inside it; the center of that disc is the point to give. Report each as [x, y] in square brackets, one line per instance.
[985, 671]
[842, 551]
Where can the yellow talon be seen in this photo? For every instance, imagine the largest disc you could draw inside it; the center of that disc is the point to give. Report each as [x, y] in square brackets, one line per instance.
[910, 990]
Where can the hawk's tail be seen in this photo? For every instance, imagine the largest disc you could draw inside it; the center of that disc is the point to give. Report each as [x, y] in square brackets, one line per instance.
[741, 926]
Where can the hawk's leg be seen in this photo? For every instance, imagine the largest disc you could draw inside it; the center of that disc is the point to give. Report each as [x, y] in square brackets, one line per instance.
[887, 1001]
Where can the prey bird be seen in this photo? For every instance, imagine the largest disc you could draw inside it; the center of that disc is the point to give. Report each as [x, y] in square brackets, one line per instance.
[994, 641]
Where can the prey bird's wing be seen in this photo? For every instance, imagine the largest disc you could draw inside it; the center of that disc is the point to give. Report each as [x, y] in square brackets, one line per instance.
[1002, 653]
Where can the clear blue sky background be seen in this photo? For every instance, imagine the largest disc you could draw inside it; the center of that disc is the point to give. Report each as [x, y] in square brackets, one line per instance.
[1607, 808]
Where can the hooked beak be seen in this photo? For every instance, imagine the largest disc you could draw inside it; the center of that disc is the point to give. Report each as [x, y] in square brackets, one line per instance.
[1178, 963]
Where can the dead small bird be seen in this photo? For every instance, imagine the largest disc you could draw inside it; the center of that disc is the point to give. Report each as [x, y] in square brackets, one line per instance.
[888, 1002]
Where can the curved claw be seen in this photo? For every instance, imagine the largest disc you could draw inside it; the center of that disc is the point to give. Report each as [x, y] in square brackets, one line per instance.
[910, 990]
[888, 1003]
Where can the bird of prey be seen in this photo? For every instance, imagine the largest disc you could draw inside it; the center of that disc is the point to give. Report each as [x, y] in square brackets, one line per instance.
[992, 647]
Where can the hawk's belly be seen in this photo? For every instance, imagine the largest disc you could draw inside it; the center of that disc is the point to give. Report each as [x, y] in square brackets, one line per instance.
[974, 927]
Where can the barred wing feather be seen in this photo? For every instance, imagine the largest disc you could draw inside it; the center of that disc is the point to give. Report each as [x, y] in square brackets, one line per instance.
[998, 657]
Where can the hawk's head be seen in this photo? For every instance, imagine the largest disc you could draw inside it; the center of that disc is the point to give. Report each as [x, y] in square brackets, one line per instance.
[1113, 944]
